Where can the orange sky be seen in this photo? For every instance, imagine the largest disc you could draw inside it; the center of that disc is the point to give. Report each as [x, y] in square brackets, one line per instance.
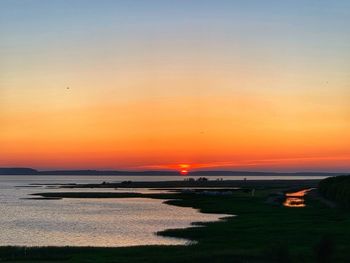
[233, 128]
[153, 96]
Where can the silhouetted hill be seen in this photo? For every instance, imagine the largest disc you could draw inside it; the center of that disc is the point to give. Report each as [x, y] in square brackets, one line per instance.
[336, 189]
[29, 171]
[248, 173]
[108, 172]
[12, 171]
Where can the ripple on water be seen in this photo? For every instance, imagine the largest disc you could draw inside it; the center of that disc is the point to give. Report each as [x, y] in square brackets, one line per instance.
[90, 222]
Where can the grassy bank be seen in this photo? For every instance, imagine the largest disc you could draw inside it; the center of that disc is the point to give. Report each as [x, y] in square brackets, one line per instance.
[336, 189]
[260, 232]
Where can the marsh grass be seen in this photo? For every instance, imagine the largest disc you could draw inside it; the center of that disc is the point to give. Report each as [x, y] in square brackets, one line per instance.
[259, 233]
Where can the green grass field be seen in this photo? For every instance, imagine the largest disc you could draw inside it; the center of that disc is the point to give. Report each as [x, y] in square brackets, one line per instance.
[260, 232]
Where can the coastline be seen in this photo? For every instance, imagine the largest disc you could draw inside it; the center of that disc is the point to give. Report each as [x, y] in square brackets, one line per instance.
[251, 236]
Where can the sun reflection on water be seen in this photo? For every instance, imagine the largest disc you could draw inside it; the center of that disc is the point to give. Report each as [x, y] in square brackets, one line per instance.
[296, 199]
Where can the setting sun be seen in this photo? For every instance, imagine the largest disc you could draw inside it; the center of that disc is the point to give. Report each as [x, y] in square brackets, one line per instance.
[184, 169]
[125, 123]
[184, 172]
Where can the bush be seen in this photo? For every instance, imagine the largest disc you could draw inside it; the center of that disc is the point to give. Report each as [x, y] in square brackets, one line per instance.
[324, 250]
[277, 253]
[336, 189]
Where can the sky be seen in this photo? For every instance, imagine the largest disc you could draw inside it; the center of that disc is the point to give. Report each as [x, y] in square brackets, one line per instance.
[156, 84]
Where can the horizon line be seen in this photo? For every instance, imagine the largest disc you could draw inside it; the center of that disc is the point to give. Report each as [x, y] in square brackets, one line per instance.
[174, 170]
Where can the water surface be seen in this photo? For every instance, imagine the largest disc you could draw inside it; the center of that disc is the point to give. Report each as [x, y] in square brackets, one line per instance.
[85, 179]
[296, 199]
[87, 222]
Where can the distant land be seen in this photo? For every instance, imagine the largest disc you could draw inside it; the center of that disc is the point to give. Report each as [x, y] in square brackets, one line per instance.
[30, 171]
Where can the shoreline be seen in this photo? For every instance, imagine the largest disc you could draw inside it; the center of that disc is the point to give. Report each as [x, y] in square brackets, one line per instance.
[175, 188]
[245, 237]
[210, 183]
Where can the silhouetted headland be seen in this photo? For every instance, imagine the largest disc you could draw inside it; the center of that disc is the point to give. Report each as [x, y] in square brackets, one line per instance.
[30, 171]
[18, 171]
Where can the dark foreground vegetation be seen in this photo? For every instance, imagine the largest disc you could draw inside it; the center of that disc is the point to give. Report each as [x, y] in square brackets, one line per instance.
[336, 189]
[202, 183]
[261, 232]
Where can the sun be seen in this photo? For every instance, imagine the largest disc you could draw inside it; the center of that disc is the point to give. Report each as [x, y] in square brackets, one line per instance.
[184, 172]
[184, 169]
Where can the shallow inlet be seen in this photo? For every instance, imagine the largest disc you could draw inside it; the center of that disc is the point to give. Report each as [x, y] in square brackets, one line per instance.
[89, 222]
[296, 199]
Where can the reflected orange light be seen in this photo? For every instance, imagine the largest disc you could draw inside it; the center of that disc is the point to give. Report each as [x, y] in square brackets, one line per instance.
[184, 169]
[294, 202]
[298, 194]
[296, 199]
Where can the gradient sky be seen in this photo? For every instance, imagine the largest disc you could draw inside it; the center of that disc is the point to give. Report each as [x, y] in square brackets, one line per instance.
[252, 85]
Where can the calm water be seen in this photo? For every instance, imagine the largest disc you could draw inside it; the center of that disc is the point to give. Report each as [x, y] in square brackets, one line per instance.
[85, 222]
[93, 222]
[30, 179]
[296, 199]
